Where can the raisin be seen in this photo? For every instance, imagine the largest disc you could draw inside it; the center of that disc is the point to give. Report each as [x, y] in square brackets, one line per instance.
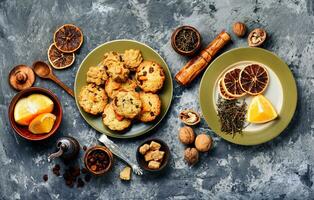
[152, 114]
[144, 73]
[151, 70]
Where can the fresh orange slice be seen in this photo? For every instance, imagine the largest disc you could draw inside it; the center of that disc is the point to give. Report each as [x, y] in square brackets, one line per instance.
[231, 85]
[43, 123]
[26, 109]
[254, 79]
[68, 38]
[222, 92]
[58, 59]
[261, 110]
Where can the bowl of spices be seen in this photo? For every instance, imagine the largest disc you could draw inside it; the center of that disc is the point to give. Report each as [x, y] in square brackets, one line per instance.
[186, 40]
[98, 160]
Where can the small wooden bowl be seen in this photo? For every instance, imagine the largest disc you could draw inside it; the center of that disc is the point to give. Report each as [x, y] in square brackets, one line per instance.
[179, 51]
[99, 148]
[23, 130]
[141, 160]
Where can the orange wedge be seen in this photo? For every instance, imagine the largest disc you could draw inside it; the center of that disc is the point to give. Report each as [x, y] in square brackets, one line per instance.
[261, 110]
[43, 123]
[28, 108]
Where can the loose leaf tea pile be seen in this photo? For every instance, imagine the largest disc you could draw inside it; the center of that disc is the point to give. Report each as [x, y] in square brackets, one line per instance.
[186, 40]
[231, 115]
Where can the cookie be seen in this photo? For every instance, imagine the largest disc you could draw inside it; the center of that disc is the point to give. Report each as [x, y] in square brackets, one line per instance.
[112, 87]
[151, 106]
[93, 99]
[113, 121]
[97, 75]
[132, 58]
[150, 76]
[117, 71]
[111, 57]
[127, 104]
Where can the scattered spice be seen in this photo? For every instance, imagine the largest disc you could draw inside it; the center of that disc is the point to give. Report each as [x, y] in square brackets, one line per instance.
[45, 177]
[186, 40]
[84, 170]
[87, 177]
[231, 115]
[56, 170]
[84, 148]
[80, 183]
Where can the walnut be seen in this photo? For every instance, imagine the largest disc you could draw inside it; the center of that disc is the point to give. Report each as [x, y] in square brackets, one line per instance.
[203, 142]
[191, 156]
[239, 29]
[189, 117]
[257, 37]
[186, 135]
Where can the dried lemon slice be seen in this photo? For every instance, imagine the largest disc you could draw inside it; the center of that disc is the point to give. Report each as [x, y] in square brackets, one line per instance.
[261, 110]
[58, 59]
[68, 38]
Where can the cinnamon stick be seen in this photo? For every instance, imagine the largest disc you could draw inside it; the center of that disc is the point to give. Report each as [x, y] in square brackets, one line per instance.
[188, 73]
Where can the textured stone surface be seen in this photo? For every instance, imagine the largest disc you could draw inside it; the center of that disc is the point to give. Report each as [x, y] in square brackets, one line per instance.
[280, 169]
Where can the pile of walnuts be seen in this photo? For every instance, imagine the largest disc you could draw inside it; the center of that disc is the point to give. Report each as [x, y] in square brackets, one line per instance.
[202, 143]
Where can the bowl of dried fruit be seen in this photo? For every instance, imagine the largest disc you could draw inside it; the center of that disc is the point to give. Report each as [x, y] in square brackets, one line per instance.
[153, 155]
[98, 160]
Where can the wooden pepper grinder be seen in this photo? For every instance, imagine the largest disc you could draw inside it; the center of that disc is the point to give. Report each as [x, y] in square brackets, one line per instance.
[188, 73]
[68, 148]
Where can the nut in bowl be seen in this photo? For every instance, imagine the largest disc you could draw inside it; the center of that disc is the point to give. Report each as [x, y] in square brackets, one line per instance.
[98, 160]
[153, 155]
[35, 113]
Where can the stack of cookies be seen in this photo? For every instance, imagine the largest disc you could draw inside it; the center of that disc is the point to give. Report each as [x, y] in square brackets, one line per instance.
[123, 88]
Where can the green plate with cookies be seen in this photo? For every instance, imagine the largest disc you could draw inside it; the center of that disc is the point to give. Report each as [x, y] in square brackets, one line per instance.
[123, 88]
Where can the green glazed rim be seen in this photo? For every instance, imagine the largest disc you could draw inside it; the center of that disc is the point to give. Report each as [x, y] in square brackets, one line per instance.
[94, 58]
[279, 67]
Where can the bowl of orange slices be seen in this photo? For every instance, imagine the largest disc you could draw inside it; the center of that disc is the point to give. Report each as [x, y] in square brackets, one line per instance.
[35, 113]
[257, 86]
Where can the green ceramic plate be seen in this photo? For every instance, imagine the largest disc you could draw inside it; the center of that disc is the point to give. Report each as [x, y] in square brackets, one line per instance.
[95, 57]
[281, 91]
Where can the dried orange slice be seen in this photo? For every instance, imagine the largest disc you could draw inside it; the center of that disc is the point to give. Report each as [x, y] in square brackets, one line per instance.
[231, 84]
[58, 59]
[68, 38]
[254, 79]
[222, 92]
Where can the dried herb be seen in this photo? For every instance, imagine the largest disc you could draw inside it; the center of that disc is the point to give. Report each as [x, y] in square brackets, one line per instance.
[231, 115]
[186, 40]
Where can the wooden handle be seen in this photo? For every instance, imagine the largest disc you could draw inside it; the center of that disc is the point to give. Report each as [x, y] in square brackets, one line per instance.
[197, 64]
[61, 84]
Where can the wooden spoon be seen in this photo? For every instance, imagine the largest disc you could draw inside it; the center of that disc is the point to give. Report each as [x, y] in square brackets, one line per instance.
[43, 70]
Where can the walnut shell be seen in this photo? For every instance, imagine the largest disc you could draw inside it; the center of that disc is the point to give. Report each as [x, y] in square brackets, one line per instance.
[257, 37]
[191, 156]
[186, 135]
[239, 29]
[190, 117]
[203, 142]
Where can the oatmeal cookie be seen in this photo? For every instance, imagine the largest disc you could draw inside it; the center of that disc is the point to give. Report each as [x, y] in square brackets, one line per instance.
[127, 104]
[151, 107]
[113, 121]
[93, 99]
[118, 72]
[132, 58]
[112, 87]
[150, 76]
[97, 75]
[111, 57]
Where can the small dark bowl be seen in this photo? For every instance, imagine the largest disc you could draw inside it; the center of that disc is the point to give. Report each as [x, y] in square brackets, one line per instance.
[179, 51]
[99, 148]
[141, 160]
[23, 130]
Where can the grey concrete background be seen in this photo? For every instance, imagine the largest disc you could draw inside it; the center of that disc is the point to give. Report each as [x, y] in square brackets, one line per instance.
[280, 169]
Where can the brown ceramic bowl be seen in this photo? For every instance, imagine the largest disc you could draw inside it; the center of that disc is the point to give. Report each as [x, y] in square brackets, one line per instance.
[23, 130]
[144, 165]
[98, 148]
[179, 51]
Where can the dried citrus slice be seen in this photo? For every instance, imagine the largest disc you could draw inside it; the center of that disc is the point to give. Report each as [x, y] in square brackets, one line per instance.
[261, 110]
[231, 85]
[254, 79]
[222, 92]
[58, 59]
[68, 38]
